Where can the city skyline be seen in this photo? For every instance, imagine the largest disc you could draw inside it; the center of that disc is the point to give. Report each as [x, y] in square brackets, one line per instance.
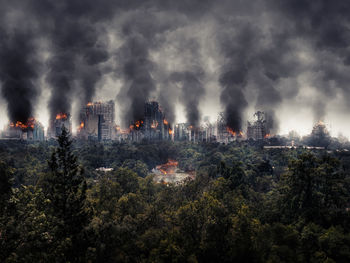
[197, 58]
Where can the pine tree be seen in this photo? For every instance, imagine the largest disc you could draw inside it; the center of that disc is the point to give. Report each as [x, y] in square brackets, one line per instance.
[65, 187]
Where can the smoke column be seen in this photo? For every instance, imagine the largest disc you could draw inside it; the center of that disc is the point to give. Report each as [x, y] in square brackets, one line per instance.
[142, 32]
[18, 73]
[191, 92]
[235, 49]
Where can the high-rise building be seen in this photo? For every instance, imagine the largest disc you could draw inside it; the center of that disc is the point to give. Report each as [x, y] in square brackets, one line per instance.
[32, 130]
[97, 121]
[155, 126]
[257, 130]
[181, 132]
[55, 127]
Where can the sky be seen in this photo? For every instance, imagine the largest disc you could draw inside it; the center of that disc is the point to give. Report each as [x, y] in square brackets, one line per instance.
[290, 59]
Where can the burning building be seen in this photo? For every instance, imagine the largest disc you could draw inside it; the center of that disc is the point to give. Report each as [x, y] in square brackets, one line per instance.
[154, 125]
[224, 133]
[32, 130]
[55, 127]
[257, 130]
[96, 121]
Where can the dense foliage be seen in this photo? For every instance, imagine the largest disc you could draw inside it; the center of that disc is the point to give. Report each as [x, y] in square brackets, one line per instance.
[246, 204]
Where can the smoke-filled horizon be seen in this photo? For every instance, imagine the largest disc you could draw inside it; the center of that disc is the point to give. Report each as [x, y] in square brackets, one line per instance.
[196, 57]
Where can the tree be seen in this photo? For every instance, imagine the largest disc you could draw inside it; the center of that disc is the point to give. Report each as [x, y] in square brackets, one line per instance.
[7, 211]
[65, 187]
[315, 190]
[5, 186]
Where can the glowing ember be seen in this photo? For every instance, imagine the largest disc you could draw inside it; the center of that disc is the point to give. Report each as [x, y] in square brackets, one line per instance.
[82, 125]
[61, 116]
[89, 104]
[165, 122]
[268, 135]
[170, 131]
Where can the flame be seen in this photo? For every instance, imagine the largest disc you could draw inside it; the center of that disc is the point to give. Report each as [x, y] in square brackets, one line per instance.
[82, 125]
[165, 122]
[268, 135]
[154, 125]
[136, 125]
[232, 132]
[241, 133]
[61, 116]
[168, 167]
[29, 124]
[170, 131]
[89, 104]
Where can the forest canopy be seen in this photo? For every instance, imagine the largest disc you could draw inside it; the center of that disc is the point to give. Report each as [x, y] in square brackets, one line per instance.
[246, 203]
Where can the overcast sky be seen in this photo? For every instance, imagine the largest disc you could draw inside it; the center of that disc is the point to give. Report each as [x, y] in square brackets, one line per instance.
[288, 58]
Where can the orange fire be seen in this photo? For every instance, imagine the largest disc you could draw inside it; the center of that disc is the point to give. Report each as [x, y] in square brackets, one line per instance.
[170, 131]
[165, 122]
[268, 135]
[137, 124]
[232, 132]
[89, 104]
[61, 116]
[82, 125]
[154, 125]
[131, 127]
[168, 167]
[30, 124]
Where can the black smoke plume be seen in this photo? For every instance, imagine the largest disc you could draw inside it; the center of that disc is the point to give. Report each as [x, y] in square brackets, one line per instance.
[142, 32]
[75, 58]
[167, 100]
[192, 91]
[323, 24]
[235, 47]
[18, 73]
[72, 30]
[136, 70]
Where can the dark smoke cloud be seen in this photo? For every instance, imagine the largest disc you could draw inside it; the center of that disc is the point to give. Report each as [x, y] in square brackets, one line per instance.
[142, 33]
[259, 44]
[137, 69]
[192, 91]
[167, 95]
[185, 76]
[235, 47]
[19, 66]
[324, 24]
[73, 30]
[74, 47]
